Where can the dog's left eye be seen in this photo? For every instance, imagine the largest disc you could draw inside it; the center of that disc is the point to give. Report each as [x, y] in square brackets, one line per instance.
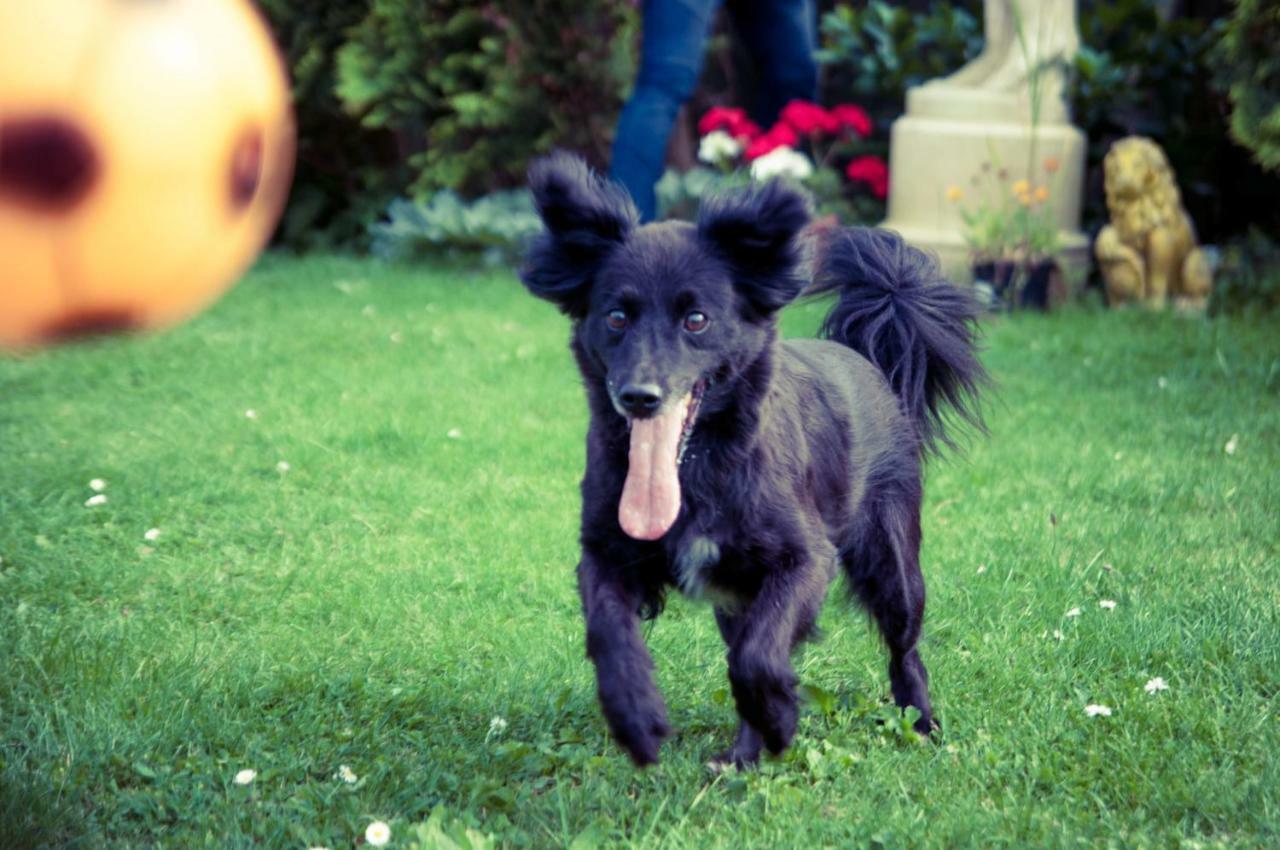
[616, 320]
[696, 322]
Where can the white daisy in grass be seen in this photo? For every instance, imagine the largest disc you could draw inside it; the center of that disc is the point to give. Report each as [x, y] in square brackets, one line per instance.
[1154, 686]
[1107, 604]
[1162, 382]
[283, 466]
[377, 834]
[1057, 634]
[1096, 710]
[1074, 612]
[151, 534]
[497, 725]
[982, 568]
[454, 434]
[246, 776]
[94, 501]
[251, 414]
[97, 485]
[1232, 444]
[347, 775]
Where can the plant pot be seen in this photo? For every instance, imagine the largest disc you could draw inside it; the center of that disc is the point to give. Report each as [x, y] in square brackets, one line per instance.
[998, 276]
[1036, 290]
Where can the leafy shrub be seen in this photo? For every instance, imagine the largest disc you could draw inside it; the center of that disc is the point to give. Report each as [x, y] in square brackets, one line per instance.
[874, 54]
[415, 96]
[1250, 71]
[492, 228]
[1248, 278]
[472, 92]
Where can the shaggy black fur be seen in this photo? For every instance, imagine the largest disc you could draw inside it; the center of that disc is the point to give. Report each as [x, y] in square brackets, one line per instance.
[804, 454]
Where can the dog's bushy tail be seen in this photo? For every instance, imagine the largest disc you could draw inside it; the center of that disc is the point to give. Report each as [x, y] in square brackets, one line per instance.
[895, 309]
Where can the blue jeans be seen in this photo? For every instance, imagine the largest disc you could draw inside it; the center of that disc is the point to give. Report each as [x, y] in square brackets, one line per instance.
[780, 37]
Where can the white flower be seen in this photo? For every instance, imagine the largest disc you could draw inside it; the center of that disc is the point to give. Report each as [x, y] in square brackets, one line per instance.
[1107, 604]
[151, 534]
[94, 501]
[283, 466]
[1096, 710]
[377, 833]
[1162, 382]
[97, 485]
[347, 775]
[1155, 685]
[454, 434]
[1074, 612]
[246, 776]
[497, 726]
[1232, 444]
[781, 162]
[718, 146]
[982, 568]
[1057, 634]
[251, 414]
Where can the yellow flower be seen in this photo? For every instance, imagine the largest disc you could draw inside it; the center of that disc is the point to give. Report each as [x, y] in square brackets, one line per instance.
[1025, 199]
[1021, 187]
[954, 194]
[1051, 164]
[1042, 193]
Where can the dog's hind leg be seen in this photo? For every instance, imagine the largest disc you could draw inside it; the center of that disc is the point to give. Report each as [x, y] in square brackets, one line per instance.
[883, 566]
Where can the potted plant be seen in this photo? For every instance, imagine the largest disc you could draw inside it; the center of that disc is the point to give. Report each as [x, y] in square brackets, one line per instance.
[1012, 235]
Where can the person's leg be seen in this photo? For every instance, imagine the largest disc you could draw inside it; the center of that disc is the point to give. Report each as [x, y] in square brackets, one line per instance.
[781, 37]
[674, 37]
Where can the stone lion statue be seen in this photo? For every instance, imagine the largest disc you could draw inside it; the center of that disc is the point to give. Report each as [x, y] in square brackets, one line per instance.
[1148, 252]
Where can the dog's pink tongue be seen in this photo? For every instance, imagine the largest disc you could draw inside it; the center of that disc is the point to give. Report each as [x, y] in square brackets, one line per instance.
[651, 497]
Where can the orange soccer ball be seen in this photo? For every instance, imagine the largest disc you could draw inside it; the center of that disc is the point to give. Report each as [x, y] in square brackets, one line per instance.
[146, 150]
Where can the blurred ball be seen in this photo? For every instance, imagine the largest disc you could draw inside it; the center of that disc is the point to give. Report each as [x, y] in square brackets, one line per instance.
[146, 149]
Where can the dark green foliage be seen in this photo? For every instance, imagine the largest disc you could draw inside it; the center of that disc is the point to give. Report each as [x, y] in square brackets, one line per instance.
[346, 172]
[472, 92]
[1249, 277]
[1249, 68]
[399, 97]
[872, 54]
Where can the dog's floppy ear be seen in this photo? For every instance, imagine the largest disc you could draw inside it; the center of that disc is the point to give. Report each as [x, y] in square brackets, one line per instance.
[586, 218]
[755, 231]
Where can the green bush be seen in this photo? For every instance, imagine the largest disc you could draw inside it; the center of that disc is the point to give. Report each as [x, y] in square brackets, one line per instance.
[1250, 72]
[399, 97]
[873, 54]
[492, 229]
[472, 92]
[1248, 279]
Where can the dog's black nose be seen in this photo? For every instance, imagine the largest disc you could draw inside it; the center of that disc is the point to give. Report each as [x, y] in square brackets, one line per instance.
[640, 399]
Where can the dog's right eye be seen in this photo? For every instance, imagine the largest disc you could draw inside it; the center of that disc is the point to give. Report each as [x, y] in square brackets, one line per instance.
[616, 320]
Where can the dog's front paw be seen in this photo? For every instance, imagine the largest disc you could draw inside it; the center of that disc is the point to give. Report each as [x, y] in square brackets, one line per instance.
[636, 717]
[766, 699]
[641, 734]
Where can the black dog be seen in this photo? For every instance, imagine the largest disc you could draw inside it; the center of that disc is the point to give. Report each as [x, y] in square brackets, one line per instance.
[732, 465]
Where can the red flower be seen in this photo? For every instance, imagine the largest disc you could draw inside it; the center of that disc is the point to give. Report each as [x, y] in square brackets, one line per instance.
[872, 171]
[853, 117]
[808, 118]
[778, 136]
[732, 120]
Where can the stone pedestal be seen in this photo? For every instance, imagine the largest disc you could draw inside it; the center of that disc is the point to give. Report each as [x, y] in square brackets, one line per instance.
[967, 130]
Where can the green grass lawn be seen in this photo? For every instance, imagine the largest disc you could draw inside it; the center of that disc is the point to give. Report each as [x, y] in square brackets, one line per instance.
[408, 578]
